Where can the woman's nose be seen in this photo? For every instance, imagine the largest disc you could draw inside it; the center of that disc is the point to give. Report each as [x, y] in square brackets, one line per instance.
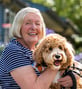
[34, 26]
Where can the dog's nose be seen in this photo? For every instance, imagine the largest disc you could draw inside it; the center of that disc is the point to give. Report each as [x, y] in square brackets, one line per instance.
[57, 56]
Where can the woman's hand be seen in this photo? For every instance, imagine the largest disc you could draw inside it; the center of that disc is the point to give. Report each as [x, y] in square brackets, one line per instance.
[65, 81]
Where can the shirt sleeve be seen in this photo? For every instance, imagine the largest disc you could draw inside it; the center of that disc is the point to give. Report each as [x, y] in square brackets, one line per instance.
[14, 58]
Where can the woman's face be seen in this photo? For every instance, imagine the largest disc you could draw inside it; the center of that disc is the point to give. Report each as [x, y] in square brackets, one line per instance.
[31, 29]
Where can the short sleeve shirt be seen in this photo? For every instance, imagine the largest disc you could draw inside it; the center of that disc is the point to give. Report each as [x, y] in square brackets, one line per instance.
[13, 56]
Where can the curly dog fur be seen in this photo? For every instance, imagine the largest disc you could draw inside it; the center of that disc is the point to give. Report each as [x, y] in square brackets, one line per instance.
[56, 52]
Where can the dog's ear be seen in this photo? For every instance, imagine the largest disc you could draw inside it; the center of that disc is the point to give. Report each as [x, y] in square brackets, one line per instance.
[37, 54]
[70, 54]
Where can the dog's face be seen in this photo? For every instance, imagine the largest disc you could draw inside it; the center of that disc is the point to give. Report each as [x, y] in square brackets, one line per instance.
[54, 56]
[55, 51]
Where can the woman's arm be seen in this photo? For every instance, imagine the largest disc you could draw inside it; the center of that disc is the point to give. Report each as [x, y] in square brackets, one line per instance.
[26, 78]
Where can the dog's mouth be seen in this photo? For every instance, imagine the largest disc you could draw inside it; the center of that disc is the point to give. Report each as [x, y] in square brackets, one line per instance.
[57, 62]
[57, 59]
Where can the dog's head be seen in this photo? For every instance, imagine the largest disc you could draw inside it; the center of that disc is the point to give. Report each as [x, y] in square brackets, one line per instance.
[55, 51]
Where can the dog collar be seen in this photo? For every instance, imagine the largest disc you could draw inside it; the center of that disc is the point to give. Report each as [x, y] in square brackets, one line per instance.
[38, 67]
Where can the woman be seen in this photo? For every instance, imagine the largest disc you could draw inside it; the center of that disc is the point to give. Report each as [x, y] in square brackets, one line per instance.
[16, 70]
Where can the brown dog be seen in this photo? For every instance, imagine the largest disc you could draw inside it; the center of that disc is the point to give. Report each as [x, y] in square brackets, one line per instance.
[56, 52]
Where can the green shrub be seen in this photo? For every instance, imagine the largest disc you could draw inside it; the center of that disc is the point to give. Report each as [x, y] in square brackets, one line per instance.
[1, 49]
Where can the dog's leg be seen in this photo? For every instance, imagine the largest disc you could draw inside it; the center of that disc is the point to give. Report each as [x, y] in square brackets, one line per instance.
[57, 77]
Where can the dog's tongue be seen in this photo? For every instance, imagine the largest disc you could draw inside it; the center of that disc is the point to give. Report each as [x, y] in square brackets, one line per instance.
[57, 63]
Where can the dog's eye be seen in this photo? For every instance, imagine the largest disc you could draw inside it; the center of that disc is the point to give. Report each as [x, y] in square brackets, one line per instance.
[60, 47]
[50, 48]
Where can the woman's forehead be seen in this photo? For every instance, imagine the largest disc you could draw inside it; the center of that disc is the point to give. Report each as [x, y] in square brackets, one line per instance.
[32, 16]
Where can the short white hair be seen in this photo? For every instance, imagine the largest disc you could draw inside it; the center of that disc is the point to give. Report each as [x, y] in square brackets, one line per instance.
[18, 21]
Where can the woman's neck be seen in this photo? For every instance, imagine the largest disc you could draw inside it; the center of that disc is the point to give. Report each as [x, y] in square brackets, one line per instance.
[30, 46]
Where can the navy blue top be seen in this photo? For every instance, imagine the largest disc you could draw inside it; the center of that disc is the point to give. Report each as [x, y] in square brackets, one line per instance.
[14, 56]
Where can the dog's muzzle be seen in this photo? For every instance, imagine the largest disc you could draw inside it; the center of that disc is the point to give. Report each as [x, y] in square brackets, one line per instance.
[57, 59]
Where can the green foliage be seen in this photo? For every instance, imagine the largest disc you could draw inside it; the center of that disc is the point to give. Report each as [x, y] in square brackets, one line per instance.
[48, 3]
[71, 9]
[1, 48]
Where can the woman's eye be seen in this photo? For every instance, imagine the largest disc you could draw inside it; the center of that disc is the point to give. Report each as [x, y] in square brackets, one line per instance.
[37, 23]
[27, 23]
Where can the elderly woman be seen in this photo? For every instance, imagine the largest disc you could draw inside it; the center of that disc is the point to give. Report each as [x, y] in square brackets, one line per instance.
[16, 71]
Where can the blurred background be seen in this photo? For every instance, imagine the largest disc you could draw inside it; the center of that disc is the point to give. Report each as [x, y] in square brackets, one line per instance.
[61, 16]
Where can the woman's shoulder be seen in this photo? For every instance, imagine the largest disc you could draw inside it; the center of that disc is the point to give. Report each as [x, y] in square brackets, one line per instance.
[11, 49]
[13, 46]
[15, 49]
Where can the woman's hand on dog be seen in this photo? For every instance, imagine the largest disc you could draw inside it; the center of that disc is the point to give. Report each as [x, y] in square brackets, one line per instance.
[65, 81]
